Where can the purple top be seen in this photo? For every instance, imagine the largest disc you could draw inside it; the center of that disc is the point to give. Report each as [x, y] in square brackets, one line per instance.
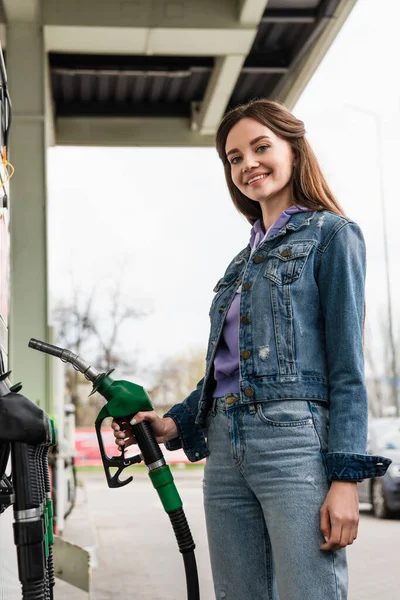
[226, 361]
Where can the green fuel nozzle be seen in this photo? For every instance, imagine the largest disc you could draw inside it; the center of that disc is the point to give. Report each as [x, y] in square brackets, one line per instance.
[124, 400]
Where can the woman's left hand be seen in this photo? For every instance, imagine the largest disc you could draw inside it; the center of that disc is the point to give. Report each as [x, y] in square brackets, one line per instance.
[339, 515]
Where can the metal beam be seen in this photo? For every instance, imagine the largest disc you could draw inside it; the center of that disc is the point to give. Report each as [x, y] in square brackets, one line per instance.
[131, 62]
[21, 10]
[158, 41]
[251, 11]
[144, 14]
[108, 131]
[146, 27]
[226, 73]
[324, 14]
[49, 106]
[219, 90]
[258, 70]
[305, 15]
[293, 84]
[3, 36]
[275, 58]
[123, 109]
[28, 251]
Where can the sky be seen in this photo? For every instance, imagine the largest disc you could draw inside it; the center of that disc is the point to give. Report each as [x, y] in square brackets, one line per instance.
[161, 222]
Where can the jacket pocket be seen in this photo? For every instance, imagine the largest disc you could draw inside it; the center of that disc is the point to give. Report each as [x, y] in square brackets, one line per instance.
[220, 287]
[286, 262]
[285, 413]
[224, 282]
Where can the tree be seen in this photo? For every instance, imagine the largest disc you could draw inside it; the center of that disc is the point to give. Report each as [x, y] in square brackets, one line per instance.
[378, 359]
[176, 377]
[375, 395]
[83, 329]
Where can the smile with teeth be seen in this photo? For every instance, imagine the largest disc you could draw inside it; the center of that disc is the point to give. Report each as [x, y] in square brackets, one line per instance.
[257, 177]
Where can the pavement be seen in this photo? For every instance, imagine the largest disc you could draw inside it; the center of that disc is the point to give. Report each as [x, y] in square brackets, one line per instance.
[134, 551]
[121, 528]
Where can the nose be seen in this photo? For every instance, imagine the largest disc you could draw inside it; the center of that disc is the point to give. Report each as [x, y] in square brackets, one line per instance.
[249, 162]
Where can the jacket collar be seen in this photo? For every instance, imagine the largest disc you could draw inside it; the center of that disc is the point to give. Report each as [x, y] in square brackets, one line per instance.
[296, 222]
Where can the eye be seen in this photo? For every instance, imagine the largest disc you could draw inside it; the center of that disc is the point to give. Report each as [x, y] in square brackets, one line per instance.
[235, 160]
[262, 148]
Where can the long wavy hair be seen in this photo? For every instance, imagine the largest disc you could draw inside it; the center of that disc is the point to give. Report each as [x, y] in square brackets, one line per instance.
[309, 187]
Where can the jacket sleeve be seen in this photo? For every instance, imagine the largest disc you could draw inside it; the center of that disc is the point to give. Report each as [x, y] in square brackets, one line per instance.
[341, 282]
[191, 435]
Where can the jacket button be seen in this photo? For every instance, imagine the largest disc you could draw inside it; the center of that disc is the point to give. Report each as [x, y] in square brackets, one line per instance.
[246, 354]
[258, 259]
[244, 320]
[247, 285]
[285, 252]
[230, 400]
[249, 391]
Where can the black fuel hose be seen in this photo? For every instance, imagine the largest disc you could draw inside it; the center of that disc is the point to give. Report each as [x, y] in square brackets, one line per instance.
[186, 547]
[47, 494]
[29, 527]
[154, 459]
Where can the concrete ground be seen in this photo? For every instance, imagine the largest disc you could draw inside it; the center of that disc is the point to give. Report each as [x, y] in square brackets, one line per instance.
[134, 551]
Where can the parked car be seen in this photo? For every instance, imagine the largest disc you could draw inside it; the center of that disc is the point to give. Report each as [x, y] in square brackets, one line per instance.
[383, 493]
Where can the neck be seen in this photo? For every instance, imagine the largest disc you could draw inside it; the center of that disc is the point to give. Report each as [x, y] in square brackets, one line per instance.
[271, 208]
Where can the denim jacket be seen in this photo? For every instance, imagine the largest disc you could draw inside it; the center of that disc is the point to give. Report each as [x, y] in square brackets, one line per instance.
[300, 337]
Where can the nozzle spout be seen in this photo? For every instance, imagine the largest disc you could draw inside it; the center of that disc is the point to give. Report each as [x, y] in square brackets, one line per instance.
[66, 356]
[44, 347]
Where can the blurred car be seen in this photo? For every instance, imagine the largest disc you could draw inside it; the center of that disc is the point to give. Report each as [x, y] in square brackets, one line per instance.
[383, 493]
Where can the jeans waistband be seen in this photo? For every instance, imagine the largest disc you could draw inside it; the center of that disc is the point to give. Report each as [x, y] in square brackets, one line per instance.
[229, 401]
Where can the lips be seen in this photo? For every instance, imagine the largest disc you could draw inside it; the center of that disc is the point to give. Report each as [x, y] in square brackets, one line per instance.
[257, 177]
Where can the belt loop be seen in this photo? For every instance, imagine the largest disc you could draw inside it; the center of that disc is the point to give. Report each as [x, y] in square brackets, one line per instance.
[214, 407]
[252, 409]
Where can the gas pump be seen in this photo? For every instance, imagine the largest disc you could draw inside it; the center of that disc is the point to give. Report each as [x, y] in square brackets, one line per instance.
[25, 436]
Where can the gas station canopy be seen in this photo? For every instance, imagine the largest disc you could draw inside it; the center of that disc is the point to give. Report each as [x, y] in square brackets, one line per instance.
[164, 72]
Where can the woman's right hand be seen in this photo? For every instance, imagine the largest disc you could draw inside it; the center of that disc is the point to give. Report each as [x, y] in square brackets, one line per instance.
[164, 428]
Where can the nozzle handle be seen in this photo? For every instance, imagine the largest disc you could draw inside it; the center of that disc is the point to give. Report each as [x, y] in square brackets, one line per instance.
[147, 443]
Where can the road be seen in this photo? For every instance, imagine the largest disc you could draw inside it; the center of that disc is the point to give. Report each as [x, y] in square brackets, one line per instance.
[135, 551]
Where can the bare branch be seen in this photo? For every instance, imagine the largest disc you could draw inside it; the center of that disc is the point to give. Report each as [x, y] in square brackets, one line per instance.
[95, 335]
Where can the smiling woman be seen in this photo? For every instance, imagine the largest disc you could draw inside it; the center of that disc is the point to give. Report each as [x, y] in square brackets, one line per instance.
[281, 413]
[276, 144]
[262, 168]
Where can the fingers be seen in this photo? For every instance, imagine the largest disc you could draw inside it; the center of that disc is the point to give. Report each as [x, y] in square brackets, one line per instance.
[334, 540]
[148, 415]
[343, 533]
[123, 434]
[325, 527]
[123, 431]
[325, 522]
[353, 534]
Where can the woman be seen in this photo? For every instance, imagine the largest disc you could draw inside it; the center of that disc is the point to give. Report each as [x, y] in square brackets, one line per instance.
[281, 413]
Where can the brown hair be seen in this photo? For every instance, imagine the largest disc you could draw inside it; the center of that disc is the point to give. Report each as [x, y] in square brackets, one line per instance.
[309, 187]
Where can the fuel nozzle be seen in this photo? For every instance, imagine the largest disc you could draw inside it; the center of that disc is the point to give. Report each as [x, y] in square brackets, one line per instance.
[66, 356]
[125, 399]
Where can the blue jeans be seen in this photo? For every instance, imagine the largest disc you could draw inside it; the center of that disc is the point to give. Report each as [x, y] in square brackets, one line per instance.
[264, 484]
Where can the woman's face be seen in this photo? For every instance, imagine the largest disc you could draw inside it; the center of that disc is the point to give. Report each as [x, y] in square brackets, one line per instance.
[261, 162]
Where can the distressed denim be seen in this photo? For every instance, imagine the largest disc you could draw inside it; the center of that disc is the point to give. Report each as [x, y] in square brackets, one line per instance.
[264, 484]
[300, 337]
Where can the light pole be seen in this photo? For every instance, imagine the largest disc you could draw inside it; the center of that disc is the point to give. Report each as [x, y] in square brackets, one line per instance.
[392, 344]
